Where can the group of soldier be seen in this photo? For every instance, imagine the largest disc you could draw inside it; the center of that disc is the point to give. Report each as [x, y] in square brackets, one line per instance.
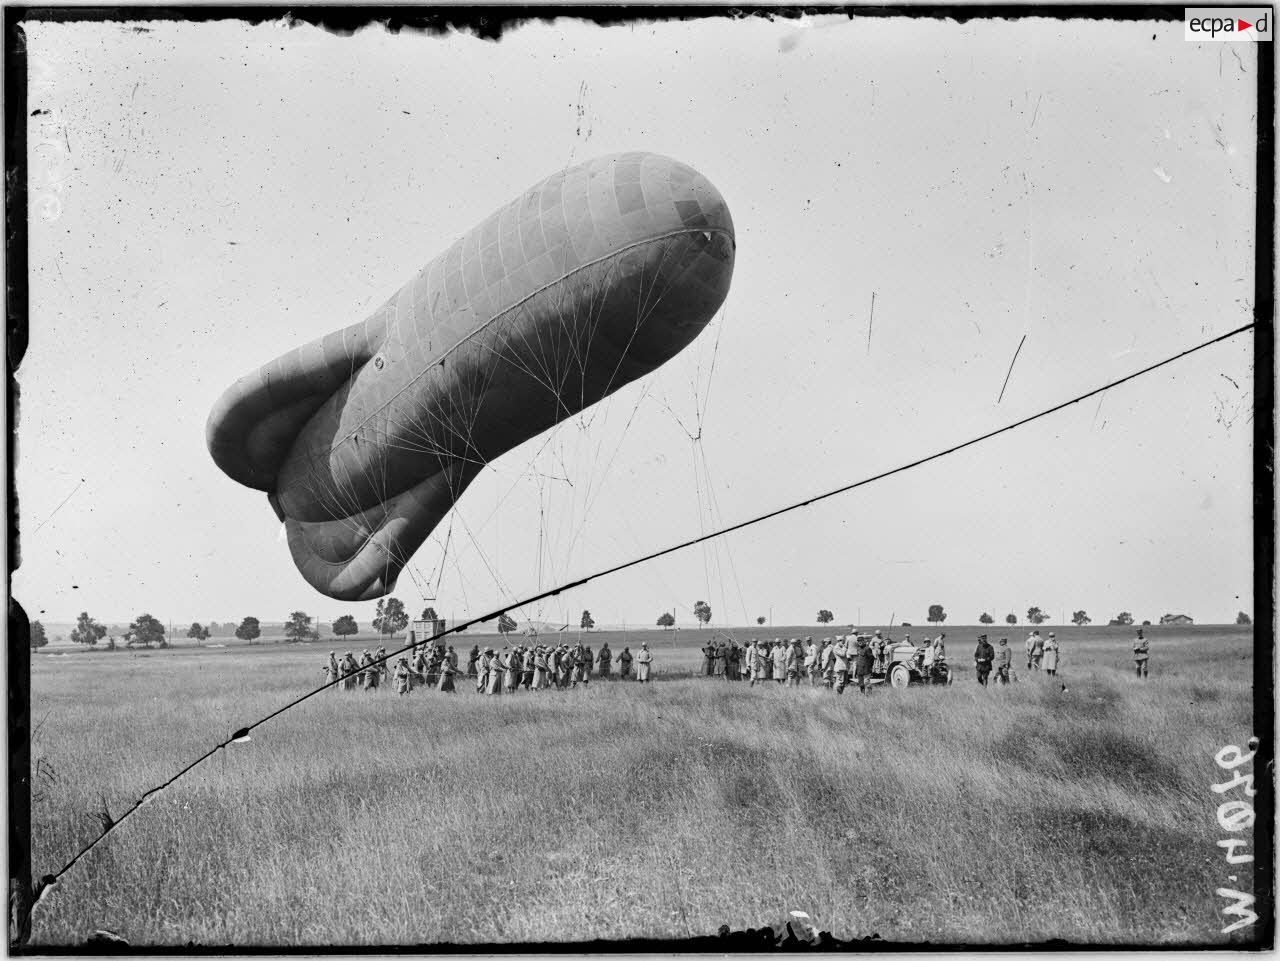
[1043, 653]
[834, 662]
[531, 666]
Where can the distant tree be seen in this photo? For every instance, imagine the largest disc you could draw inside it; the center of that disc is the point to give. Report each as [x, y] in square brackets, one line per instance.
[298, 627]
[1123, 619]
[1146, 623]
[506, 624]
[825, 616]
[760, 619]
[248, 629]
[1243, 618]
[196, 631]
[346, 625]
[702, 611]
[429, 614]
[587, 621]
[986, 618]
[390, 616]
[38, 638]
[1036, 616]
[87, 630]
[936, 614]
[666, 619]
[146, 630]
[1080, 619]
[1011, 619]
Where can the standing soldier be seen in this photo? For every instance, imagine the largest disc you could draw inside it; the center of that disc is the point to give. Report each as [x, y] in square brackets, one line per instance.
[604, 660]
[794, 659]
[448, 668]
[528, 667]
[708, 659]
[644, 659]
[372, 676]
[331, 670]
[1031, 644]
[864, 664]
[840, 662]
[1037, 650]
[983, 657]
[1141, 652]
[1003, 661]
[779, 655]
[472, 659]
[827, 663]
[588, 658]
[539, 668]
[366, 659]
[493, 684]
[1051, 655]
[350, 672]
[419, 666]
[624, 663]
[735, 661]
[381, 658]
[510, 662]
[811, 661]
[749, 661]
[402, 676]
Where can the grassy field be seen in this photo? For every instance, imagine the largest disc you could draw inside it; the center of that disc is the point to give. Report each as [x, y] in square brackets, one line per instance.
[956, 814]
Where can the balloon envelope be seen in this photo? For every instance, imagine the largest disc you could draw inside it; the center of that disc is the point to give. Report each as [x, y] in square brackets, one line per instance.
[365, 438]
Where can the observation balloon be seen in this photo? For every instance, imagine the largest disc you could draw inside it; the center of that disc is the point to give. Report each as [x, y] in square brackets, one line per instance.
[364, 439]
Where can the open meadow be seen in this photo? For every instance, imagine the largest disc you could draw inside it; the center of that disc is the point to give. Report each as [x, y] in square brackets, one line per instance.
[949, 814]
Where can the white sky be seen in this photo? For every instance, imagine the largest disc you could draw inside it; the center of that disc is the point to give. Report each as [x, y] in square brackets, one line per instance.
[231, 192]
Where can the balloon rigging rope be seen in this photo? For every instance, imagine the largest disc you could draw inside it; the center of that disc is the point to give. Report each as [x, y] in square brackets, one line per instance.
[109, 825]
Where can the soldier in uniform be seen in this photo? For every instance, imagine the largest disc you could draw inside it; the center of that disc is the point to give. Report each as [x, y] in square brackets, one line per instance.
[1003, 661]
[332, 671]
[779, 657]
[644, 659]
[794, 660]
[864, 664]
[1051, 655]
[811, 661]
[419, 666]
[350, 672]
[472, 659]
[1037, 650]
[381, 657]
[624, 663]
[448, 668]
[1031, 643]
[708, 659]
[983, 657]
[735, 661]
[402, 676]
[1141, 653]
[587, 658]
[511, 668]
[877, 648]
[372, 675]
[827, 663]
[840, 655]
[604, 660]
[366, 661]
[527, 667]
[493, 685]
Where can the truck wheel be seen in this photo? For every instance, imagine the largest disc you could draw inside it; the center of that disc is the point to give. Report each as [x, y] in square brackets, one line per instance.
[900, 675]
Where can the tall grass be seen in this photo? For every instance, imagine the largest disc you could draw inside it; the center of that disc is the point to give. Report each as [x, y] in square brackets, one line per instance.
[959, 814]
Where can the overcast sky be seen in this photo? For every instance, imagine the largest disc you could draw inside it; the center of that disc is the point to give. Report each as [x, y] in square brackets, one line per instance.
[225, 193]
